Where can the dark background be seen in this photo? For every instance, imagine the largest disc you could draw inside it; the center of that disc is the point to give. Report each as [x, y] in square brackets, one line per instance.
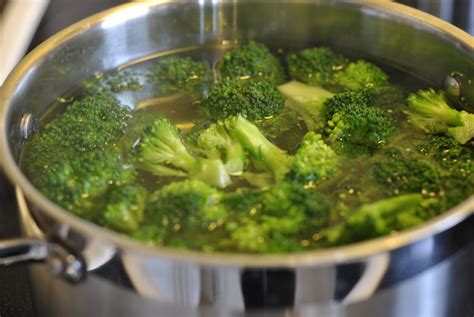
[15, 295]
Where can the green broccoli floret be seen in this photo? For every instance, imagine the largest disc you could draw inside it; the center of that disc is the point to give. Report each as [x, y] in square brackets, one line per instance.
[243, 201]
[252, 99]
[292, 200]
[316, 66]
[279, 219]
[248, 236]
[429, 207]
[456, 164]
[186, 205]
[284, 207]
[353, 127]
[265, 155]
[449, 154]
[401, 175]
[93, 123]
[243, 231]
[362, 132]
[162, 152]
[113, 82]
[75, 183]
[377, 219]
[252, 60]
[322, 67]
[352, 124]
[181, 213]
[176, 74]
[306, 100]
[314, 161]
[456, 189]
[216, 142]
[151, 234]
[361, 75]
[429, 111]
[124, 207]
[291, 215]
[345, 102]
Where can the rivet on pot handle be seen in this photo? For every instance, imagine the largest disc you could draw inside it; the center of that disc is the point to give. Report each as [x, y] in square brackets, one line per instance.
[27, 126]
[61, 262]
[460, 89]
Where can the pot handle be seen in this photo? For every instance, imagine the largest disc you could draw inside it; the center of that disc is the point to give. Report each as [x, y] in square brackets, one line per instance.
[22, 250]
[60, 260]
[375, 269]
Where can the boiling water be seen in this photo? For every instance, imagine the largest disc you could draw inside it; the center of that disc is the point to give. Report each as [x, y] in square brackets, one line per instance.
[183, 110]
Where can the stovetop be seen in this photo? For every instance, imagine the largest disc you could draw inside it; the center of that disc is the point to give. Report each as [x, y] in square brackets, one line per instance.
[15, 292]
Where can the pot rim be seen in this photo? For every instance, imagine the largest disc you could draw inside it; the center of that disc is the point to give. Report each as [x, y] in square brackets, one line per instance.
[346, 253]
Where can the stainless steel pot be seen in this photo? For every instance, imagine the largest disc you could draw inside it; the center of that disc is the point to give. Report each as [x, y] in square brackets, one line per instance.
[389, 275]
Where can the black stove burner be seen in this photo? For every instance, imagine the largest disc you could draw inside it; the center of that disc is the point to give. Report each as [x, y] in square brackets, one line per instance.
[2, 5]
[15, 293]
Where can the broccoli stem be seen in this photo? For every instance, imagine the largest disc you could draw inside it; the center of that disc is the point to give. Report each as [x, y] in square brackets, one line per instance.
[161, 151]
[465, 131]
[162, 170]
[184, 159]
[235, 159]
[390, 205]
[171, 150]
[210, 171]
[216, 140]
[376, 219]
[435, 108]
[265, 153]
[258, 179]
[306, 100]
